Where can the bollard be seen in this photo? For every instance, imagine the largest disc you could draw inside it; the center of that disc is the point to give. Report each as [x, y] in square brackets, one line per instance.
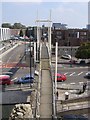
[66, 95]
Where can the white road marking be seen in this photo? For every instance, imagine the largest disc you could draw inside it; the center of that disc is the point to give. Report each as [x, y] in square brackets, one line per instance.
[80, 73]
[72, 83]
[28, 99]
[14, 79]
[81, 83]
[65, 73]
[72, 74]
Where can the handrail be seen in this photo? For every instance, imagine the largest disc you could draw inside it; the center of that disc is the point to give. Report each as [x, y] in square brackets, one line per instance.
[53, 97]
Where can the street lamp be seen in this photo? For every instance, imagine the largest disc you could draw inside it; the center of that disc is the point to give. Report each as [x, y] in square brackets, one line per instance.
[27, 34]
[71, 56]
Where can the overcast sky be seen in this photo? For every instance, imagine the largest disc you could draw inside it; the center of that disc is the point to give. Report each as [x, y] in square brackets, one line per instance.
[74, 14]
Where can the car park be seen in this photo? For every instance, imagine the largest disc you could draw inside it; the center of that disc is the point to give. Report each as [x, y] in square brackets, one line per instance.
[5, 80]
[26, 79]
[66, 56]
[61, 77]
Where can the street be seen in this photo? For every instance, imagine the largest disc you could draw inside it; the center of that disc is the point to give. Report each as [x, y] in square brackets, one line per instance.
[15, 65]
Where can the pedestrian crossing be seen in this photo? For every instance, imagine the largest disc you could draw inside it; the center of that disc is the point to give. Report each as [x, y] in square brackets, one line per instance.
[82, 73]
[74, 73]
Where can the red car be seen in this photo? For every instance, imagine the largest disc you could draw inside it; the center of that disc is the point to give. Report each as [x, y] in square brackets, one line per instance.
[61, 77]
[5, 80]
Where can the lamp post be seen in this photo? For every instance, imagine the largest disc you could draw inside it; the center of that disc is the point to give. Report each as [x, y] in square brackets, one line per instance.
[30, 62]
[27, 34]
[71, 56]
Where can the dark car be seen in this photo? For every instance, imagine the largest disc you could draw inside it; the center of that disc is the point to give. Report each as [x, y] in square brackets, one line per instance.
[82, 62]
[26, 79]
[87, 75]
[73, 61]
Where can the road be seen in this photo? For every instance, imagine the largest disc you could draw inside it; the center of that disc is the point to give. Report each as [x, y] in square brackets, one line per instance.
[13, 61]
[75, 74]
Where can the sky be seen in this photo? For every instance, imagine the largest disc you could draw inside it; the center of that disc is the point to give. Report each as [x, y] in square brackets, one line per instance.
[74, 14]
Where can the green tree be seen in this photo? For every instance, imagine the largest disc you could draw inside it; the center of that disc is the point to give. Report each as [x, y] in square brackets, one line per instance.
[84, 51]
[18, 26]
[6, 25]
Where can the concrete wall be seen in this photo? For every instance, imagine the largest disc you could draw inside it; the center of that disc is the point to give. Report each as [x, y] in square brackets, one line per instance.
[66, 50]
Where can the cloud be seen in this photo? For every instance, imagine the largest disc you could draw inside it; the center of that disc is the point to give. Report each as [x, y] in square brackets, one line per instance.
[70, 14]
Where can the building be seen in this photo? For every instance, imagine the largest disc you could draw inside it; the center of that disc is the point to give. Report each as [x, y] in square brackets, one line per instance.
[59, 26]
[4, 34]
[88, 26]
[70, 37]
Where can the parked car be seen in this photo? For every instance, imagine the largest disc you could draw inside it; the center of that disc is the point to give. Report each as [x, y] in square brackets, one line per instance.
[61, 77]
[26, 79]
[87, 75]
[73, 61]
[82, 62]
[5, 80]
[66, 56]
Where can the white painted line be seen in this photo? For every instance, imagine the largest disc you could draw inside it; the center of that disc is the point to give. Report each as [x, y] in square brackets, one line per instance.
[65, 73]
[72, 83]
[8, 72]
[80, 73]
[72, 74]
[14, 79]
[81, 82]
[63, 84]
[28, 99]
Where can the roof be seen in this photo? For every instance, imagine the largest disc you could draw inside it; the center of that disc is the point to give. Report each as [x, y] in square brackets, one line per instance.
[59, 25]
[4, 76]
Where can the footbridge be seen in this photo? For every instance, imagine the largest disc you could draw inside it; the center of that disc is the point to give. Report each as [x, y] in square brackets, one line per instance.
[45, 86]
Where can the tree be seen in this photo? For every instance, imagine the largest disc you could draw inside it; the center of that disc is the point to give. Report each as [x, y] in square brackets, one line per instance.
[18, 26]
[6, 25]
[21, 33]
[84, 51]
[14, 26]
[27, 32]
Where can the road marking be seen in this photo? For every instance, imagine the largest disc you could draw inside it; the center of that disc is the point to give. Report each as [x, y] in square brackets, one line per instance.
[65, 73]
[72, 83]
[80, 73]
[81, 83]
[72, 74]
[28, 99]
[14, 79]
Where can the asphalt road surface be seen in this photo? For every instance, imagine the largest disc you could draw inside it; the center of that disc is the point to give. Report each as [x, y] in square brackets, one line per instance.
[15, 64]
[75, 74]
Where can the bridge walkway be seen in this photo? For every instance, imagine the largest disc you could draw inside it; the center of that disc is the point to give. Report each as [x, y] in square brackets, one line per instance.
[46, 89]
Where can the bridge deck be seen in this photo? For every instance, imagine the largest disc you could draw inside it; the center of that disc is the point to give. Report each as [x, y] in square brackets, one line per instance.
[46, 85]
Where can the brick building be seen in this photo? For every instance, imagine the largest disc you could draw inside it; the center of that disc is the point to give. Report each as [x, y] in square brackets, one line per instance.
[70, 37]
